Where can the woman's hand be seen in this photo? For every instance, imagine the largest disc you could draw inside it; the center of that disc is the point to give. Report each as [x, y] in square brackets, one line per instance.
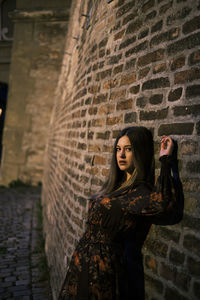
[166, 146]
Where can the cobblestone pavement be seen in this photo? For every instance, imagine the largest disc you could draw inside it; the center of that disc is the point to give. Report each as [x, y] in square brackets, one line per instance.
[22, 267]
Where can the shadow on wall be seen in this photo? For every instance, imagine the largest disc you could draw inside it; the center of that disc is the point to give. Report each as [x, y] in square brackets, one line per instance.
[3, 99]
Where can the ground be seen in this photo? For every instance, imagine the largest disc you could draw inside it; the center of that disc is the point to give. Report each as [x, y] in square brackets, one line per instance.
[23, 273]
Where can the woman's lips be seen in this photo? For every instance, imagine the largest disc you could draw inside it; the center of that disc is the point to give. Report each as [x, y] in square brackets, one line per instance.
[122, 162]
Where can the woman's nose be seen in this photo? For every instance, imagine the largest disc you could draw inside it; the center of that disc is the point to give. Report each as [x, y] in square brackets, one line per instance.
[122, 153]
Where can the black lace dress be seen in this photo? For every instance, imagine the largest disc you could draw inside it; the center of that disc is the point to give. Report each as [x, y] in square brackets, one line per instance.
[107, 262]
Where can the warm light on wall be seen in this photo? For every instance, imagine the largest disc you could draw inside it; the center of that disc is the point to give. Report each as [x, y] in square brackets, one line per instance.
[0, 111]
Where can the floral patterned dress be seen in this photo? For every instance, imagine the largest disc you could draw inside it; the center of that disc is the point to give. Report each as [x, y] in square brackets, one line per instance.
[102, 266]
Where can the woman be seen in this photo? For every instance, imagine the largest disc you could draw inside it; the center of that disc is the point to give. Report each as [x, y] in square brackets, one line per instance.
[107, 263]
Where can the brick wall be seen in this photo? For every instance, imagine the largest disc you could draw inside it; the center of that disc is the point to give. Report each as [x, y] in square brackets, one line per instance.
[130, 63]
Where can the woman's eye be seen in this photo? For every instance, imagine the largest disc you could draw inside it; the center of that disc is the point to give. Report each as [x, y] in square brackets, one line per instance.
[128, 149]
[118, 149]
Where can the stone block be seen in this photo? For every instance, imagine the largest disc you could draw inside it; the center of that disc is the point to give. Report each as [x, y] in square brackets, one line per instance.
[191, 243]
[141, 102]
[165, 7]
[175, 95]
[176, 257]
[103, 135]
[118, 69]
[193, 110]
[156, 99]
[119, 35]
[176, 128]
[124, 9]
[194, 166]
[151, 57]
[187, 76]
[117, 95]
[193, 266]
[106, 109]
[191, 25]
[173, 294]
[148, 5]
[99, 160]
[128, 79]
[114, 120]
[143, 34]
[137, 49]
[110, 84]
[178, 63]
[126, 104]
[134, 89]
[157, 26]
[130, 17]
[127, 42]
[99, 98]
[130, 117]
[184, 44]
[194, 57]
[144, 72]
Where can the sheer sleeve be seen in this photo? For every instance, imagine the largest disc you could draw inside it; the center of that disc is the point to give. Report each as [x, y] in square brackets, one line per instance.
[146, 202]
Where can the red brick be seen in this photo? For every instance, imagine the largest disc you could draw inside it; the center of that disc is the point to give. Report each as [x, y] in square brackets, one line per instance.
[160, 68]
[191, 25]
[100, 98]
[165, 7]
[105, 172]
[114, 120]
[143, 72]
[98, 122]
[194, 58]
[92, 110]
[130, 17]
[102, 53]
[118, 69]
[188, 147]
[124, 9]
[103, 135]
[134, 26]
[178, 63]
[127, 104]
[165, 37]
[187, 75]
[127, 79]
[151, 263]
[92, 170]
[119, 35]
[106, 109]
[76, 114]
[149, 4]
[94, 148]
[110, 84]
[151, 57]
[107, 148]
[99, 160]
[93, 89]
[116, 95]
[135, 89]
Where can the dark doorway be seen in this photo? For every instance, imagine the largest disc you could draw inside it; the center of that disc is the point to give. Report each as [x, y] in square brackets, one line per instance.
[3, 99]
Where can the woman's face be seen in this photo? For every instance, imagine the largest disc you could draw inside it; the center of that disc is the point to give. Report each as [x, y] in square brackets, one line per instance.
[124, 155]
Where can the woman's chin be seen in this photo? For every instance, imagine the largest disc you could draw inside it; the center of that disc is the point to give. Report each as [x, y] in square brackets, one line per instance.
[123, 168]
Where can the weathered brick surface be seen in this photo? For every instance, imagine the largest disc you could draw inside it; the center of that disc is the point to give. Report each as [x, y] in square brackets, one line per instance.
[136, 64]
